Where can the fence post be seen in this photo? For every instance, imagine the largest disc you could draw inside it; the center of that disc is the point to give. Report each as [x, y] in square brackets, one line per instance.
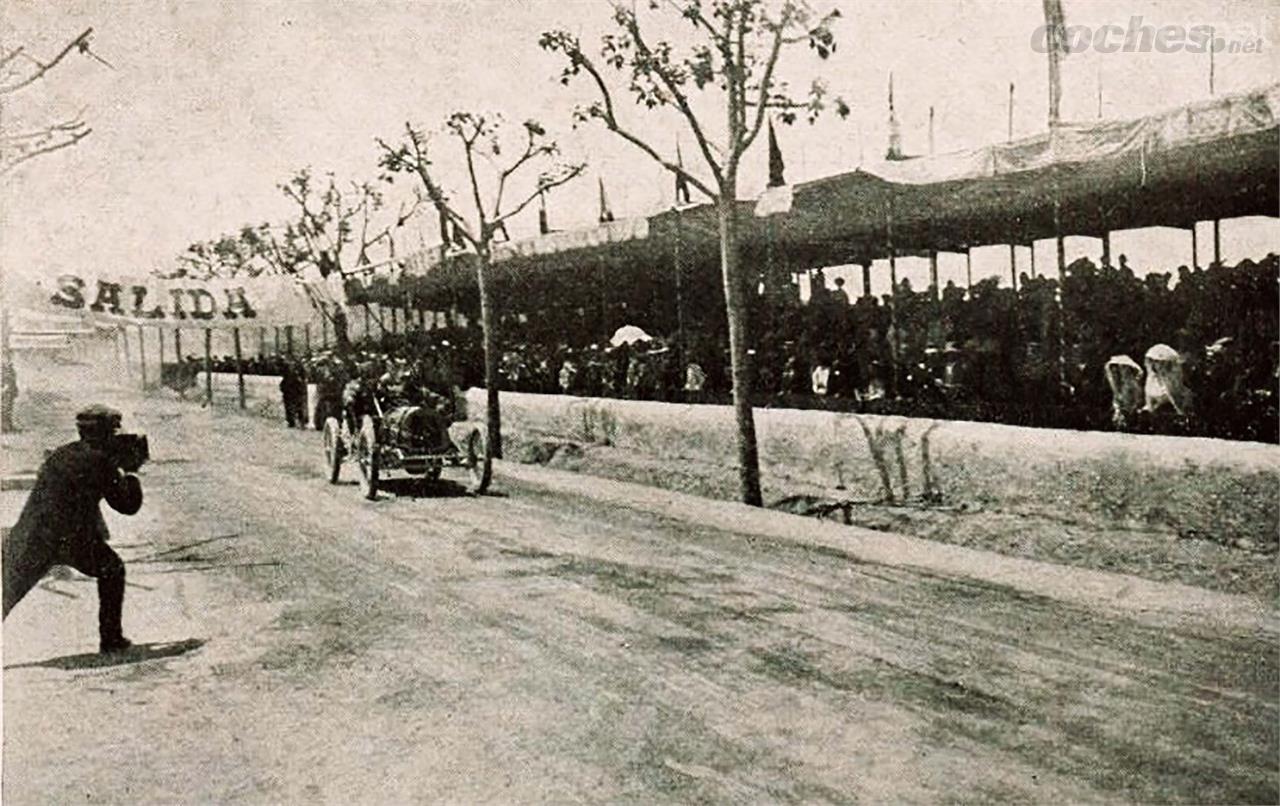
[235, 335]
[142, 355]
[208, 366]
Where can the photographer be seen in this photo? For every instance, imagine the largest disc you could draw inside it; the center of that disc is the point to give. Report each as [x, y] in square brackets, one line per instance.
[62, 524]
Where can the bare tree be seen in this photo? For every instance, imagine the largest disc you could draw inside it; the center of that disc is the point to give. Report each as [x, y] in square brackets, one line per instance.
[21, 70]
[334, 229]
[480, 213]
[250, 251]
[739, 46]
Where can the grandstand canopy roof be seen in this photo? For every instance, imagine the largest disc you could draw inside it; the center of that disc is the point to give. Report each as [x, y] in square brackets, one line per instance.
[1215, 158]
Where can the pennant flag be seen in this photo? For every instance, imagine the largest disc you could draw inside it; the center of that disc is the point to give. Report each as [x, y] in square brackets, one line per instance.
[776, 166]
[543, 226]
[682, 184]
[606, 213]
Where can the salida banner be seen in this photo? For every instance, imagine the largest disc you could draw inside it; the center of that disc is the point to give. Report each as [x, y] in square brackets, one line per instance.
[172, 303]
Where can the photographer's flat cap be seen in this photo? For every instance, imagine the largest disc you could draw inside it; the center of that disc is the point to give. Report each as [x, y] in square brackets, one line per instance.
[98, 415]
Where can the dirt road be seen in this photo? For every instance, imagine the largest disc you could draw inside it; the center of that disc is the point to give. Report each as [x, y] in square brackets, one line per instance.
[300, 644]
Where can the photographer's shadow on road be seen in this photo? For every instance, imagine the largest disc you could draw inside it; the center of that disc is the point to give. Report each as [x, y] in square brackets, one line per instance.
[155, 650]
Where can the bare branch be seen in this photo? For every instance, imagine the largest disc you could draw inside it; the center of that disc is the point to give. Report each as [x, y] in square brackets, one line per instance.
[611, 121]
[678, 95]
[74, 134]
[573, 173]
[81, 42]
[766, 86]
[695, 15]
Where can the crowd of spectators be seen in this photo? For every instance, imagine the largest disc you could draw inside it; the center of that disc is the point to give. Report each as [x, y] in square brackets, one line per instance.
[990, 353]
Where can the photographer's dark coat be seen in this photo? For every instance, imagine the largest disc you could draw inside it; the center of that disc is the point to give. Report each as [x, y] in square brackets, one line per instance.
[61, 522]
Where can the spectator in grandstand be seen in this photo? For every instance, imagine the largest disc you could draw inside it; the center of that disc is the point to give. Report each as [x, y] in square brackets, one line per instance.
[821, 378]
[839, 297]
[568, 374]
[817, 288]
[695, 380]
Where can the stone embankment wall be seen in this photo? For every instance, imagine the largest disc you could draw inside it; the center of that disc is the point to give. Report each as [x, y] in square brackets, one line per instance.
[1219, 489]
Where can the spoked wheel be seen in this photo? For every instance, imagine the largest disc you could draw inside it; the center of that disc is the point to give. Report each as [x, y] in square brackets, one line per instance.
[479, 463]
[367, 456]
[333, 448]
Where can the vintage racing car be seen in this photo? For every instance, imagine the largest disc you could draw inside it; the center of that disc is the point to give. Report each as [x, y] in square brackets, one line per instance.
[420, 440]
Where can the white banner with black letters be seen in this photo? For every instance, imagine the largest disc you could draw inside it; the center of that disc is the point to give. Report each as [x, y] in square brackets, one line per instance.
[108, 299]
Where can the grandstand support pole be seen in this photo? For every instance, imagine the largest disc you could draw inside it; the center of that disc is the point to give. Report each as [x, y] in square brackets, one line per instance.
[1106, 248]
[1013, 267]
[1062, 273]
[177, 345]
[235, 336]
[934, 289]
[935, 295]
[866, 277]
[142, 356]
[262, 342]
[677, 254]
[208, 366]
[968, 268]
[288, 339]
[277, 339]
[1195, 247]
[1217, 241]
[894, 341]
[1031, 247]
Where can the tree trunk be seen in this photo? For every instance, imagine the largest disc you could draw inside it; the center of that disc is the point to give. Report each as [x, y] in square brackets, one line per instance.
[736, 308]
[487, 325]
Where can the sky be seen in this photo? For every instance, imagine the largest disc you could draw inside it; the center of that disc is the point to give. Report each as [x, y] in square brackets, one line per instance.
[211, 105]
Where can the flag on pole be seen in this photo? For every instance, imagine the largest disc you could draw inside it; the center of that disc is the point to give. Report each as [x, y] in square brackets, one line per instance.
[682, 184]
[606, 212]
[776, 165]
[1010, 130]
[543, 226]
[1055, 22]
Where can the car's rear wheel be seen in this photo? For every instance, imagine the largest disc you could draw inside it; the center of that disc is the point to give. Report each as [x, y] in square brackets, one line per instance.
[367, 457]
[333, 448]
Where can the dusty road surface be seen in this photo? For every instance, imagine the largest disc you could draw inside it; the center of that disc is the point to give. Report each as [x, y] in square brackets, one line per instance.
[300, 644]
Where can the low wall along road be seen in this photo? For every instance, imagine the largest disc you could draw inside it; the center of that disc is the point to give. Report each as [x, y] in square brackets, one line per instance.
[1215, 488]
